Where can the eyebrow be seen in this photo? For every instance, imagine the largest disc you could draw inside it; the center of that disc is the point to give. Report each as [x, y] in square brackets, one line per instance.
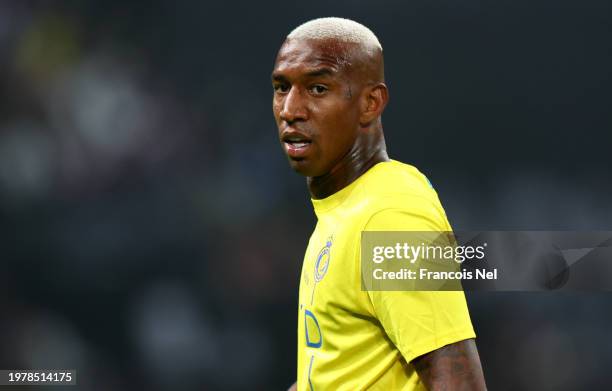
[323, 71]
[320, 72]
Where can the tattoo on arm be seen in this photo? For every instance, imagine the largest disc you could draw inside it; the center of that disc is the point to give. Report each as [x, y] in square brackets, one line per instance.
[454, 367]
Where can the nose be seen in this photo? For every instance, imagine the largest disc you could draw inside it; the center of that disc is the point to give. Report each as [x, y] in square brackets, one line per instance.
[294, 107]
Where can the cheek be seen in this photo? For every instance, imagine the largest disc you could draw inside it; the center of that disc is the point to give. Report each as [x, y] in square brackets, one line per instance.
[334, 116]
[276, 109]
[338, 136]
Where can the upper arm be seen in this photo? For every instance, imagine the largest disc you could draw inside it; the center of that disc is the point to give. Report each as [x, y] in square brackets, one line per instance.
[453, 367]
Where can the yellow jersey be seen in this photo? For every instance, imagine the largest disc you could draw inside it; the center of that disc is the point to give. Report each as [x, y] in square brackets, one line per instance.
[350, 339]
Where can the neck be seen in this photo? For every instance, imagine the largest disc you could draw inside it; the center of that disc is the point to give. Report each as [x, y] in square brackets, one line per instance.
[369, 149]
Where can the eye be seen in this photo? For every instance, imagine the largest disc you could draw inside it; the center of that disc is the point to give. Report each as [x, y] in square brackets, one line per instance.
[280, 87]
[318, 89]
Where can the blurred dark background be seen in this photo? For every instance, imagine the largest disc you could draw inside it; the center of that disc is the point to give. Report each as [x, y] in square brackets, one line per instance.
[152, 231]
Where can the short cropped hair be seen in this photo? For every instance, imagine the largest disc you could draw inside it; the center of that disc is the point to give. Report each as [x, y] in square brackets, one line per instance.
[344, 30]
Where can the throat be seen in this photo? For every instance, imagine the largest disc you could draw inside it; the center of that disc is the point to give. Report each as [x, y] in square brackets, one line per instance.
[346, 172]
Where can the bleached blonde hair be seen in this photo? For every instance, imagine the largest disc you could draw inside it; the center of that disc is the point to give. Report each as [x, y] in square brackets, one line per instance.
[344, 30]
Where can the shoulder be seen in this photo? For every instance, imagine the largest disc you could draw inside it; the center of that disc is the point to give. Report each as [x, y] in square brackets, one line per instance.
[401, 197]
[395, 177]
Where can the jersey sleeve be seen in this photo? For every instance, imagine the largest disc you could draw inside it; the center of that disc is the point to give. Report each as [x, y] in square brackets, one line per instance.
[418, 322]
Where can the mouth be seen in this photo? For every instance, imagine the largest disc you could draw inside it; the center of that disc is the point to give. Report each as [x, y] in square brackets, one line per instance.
[296, 145]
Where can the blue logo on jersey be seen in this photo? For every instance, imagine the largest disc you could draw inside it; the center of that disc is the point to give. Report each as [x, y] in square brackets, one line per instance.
[313, 331]
[322, 263]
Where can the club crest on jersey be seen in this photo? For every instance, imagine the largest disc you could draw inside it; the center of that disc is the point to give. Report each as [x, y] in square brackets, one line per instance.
[322, 263]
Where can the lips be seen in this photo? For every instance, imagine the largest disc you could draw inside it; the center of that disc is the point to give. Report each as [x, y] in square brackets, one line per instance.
[296, 144]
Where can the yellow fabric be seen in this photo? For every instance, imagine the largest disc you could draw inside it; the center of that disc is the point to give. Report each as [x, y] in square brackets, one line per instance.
[349, 339]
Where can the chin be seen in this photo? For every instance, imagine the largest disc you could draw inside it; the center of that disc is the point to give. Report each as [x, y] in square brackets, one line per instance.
[303, 167]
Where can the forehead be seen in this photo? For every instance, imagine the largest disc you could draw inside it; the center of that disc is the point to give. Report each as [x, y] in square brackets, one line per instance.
[305, 54]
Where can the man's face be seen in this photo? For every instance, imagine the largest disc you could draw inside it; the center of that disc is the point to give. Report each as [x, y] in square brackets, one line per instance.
[315, 105]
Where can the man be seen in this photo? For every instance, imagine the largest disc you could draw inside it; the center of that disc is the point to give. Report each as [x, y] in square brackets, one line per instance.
[329, 94]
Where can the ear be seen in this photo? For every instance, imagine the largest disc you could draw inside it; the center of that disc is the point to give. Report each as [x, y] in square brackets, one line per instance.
[373, 102]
